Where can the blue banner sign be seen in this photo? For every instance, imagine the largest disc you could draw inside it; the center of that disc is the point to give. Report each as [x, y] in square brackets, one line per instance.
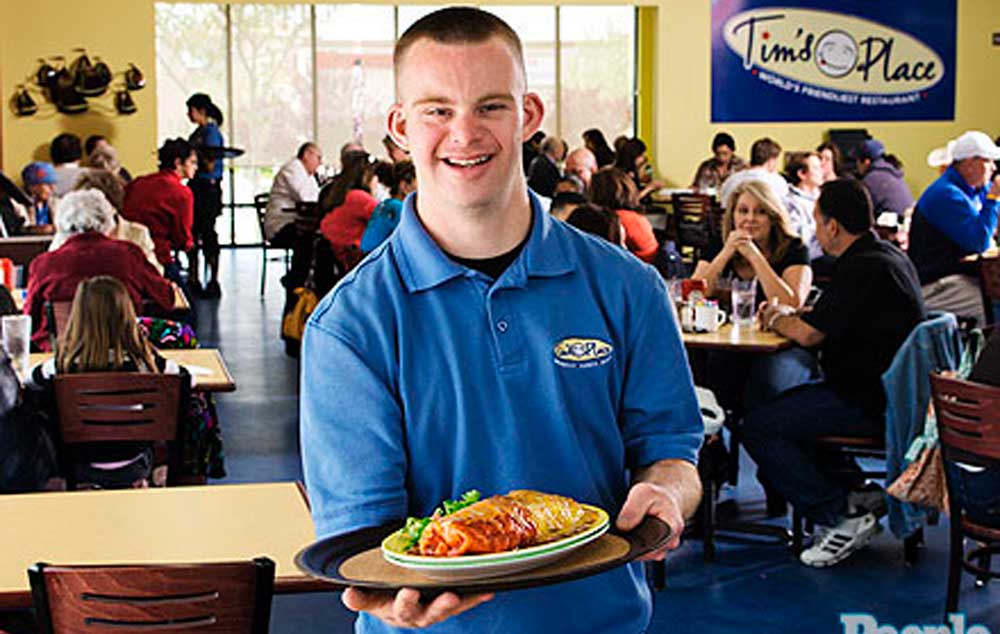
[839, 60]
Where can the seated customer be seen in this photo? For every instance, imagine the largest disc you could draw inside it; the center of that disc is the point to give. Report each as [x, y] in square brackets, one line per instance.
[40, 183]
[859, 323]
[882, 174]
[764, 156]
[757, 243]
[102, 336]
[805, 173]
[385, 218]
[714, 171]
[348, 205]
[164, 204]
[957, 216]
[613, 188]
[597, 221]
[544, 172]
[111, 186]
[294, 183]
[66, 152]
[87, 217]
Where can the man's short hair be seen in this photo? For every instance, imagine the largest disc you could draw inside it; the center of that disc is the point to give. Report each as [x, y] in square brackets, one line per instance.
[551, 145]
[305, 147]
[763, 150]
[847, 201]
[723, 138]
[795, 162]
[66, 148]
[458, 25]
[173, 149]
[91, 143]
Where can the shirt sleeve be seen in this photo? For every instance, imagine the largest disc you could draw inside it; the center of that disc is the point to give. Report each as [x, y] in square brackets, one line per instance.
[184, 220]
[660, 418]
[353, 443]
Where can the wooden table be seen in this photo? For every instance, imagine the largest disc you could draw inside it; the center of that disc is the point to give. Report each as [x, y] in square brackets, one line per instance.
[172, 525]
[206, 365]
[180, 302]
[23, 249]
[737, 339]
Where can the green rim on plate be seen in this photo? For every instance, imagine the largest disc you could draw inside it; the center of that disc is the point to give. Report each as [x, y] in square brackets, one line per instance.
[392, 548]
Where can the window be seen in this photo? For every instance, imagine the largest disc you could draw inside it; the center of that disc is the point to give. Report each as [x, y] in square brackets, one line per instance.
[597, 76]
[354, 74]
[324, 72]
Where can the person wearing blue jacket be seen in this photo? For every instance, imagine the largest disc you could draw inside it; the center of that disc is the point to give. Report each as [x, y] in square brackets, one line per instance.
[955, 217]
[385, 218]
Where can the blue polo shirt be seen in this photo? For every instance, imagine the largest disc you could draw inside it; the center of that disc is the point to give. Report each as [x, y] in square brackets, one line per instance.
[422, 379]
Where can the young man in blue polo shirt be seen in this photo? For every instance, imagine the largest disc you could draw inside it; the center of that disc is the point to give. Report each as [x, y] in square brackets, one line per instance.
[486, 345]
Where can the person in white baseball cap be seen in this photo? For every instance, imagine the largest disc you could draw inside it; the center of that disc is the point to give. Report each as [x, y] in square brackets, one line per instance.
[955, 217]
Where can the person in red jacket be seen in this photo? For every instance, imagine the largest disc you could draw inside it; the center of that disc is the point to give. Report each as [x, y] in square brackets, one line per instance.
[613, 188]
[351, 204]
[162, 203]
[89, 217]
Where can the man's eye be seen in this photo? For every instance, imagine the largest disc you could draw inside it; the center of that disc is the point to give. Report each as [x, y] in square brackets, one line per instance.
[493, 107]
[437, 112]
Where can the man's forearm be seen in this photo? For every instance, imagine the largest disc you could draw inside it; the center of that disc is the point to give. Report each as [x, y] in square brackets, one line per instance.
[797, 330]
[681, 480]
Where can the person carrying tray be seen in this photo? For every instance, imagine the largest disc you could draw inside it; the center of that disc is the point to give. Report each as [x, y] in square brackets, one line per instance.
[486, 345]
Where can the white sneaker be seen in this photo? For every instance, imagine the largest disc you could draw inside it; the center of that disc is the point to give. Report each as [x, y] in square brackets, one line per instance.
[838, 543]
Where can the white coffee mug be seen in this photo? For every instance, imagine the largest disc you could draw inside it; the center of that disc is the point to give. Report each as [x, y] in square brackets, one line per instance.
[708, 317]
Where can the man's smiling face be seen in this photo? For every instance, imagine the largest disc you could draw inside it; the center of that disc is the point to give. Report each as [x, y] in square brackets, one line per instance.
[463, 115]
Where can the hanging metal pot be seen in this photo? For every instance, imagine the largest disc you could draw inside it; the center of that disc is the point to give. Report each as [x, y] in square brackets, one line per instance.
[24, 105]
[134, 79]
[124, 103]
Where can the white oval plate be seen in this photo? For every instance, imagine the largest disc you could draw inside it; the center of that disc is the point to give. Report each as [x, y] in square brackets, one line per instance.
[467, 567]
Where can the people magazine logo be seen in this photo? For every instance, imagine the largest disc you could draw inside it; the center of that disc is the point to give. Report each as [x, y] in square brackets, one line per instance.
[860, 623]
[822, 62]
[578, 352]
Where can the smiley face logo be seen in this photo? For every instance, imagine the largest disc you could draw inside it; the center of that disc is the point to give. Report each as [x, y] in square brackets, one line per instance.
[836, 53]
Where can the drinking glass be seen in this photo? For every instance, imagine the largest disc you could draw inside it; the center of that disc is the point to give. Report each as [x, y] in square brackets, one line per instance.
[17, 341]
[743, 294]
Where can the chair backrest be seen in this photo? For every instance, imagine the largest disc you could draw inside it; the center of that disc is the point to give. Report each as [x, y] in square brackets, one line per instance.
[117, 406]
[968, 419]
[56, 318]
[692, 218]
[216, 598]
[260, 204]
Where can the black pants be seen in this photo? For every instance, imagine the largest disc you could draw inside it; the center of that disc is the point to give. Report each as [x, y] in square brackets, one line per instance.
[207, 207]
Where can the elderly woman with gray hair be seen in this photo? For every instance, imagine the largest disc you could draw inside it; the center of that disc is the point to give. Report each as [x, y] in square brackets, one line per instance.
[87, 218]
[108, 184]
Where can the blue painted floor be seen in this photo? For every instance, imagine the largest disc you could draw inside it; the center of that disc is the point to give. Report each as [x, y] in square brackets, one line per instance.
[758, 588]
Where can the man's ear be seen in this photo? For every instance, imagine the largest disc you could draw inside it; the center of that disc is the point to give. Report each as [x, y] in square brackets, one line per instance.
[396, 124]
[534, 112]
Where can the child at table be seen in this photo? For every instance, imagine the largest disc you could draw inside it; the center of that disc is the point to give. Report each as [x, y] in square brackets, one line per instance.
[102, 336]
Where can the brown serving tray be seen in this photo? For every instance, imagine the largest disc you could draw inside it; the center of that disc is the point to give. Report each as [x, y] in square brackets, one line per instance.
[355, 560]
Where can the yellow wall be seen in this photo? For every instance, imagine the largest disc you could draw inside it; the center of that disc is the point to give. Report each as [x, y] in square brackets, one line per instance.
[118, 31]
[683, 117]
[122, 31]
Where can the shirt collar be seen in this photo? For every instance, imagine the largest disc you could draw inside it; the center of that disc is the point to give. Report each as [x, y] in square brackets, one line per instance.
[423, 265]
[865, 242]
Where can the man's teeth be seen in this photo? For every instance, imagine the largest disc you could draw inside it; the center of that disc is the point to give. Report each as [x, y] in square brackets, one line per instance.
[467, 162]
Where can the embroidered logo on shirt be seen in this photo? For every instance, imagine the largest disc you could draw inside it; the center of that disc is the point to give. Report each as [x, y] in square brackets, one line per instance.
[576, 352]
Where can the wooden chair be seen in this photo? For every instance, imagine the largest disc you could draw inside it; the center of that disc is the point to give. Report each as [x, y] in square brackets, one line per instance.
[989, 282]
[117, 406]
[693, 222]
[968, 418]
[215, 598]
[56, 318]
[260, 204]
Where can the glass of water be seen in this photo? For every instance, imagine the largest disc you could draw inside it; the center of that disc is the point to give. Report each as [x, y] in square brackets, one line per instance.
[743, 294]
[17, 341]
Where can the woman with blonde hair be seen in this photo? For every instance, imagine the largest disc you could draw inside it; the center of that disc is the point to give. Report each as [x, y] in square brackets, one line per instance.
[102, 335]
[757, 242]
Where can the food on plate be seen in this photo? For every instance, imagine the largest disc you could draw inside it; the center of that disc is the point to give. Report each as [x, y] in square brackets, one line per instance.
[496, 524]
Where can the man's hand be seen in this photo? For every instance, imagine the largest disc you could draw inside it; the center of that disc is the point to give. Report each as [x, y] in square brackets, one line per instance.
[404, 609]
[647, 498]
[769, 312]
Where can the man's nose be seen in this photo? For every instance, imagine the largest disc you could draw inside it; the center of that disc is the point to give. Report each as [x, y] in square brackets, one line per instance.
[465, 129]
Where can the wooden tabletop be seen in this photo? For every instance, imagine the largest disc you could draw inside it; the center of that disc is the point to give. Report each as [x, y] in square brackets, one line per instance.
[206, 365]
[199, 524]
[989, 254]
[23, 249]
[737, 339]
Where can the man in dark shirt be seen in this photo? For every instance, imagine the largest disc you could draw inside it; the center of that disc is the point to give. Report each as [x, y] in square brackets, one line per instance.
[543, 174]
[859, 323]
